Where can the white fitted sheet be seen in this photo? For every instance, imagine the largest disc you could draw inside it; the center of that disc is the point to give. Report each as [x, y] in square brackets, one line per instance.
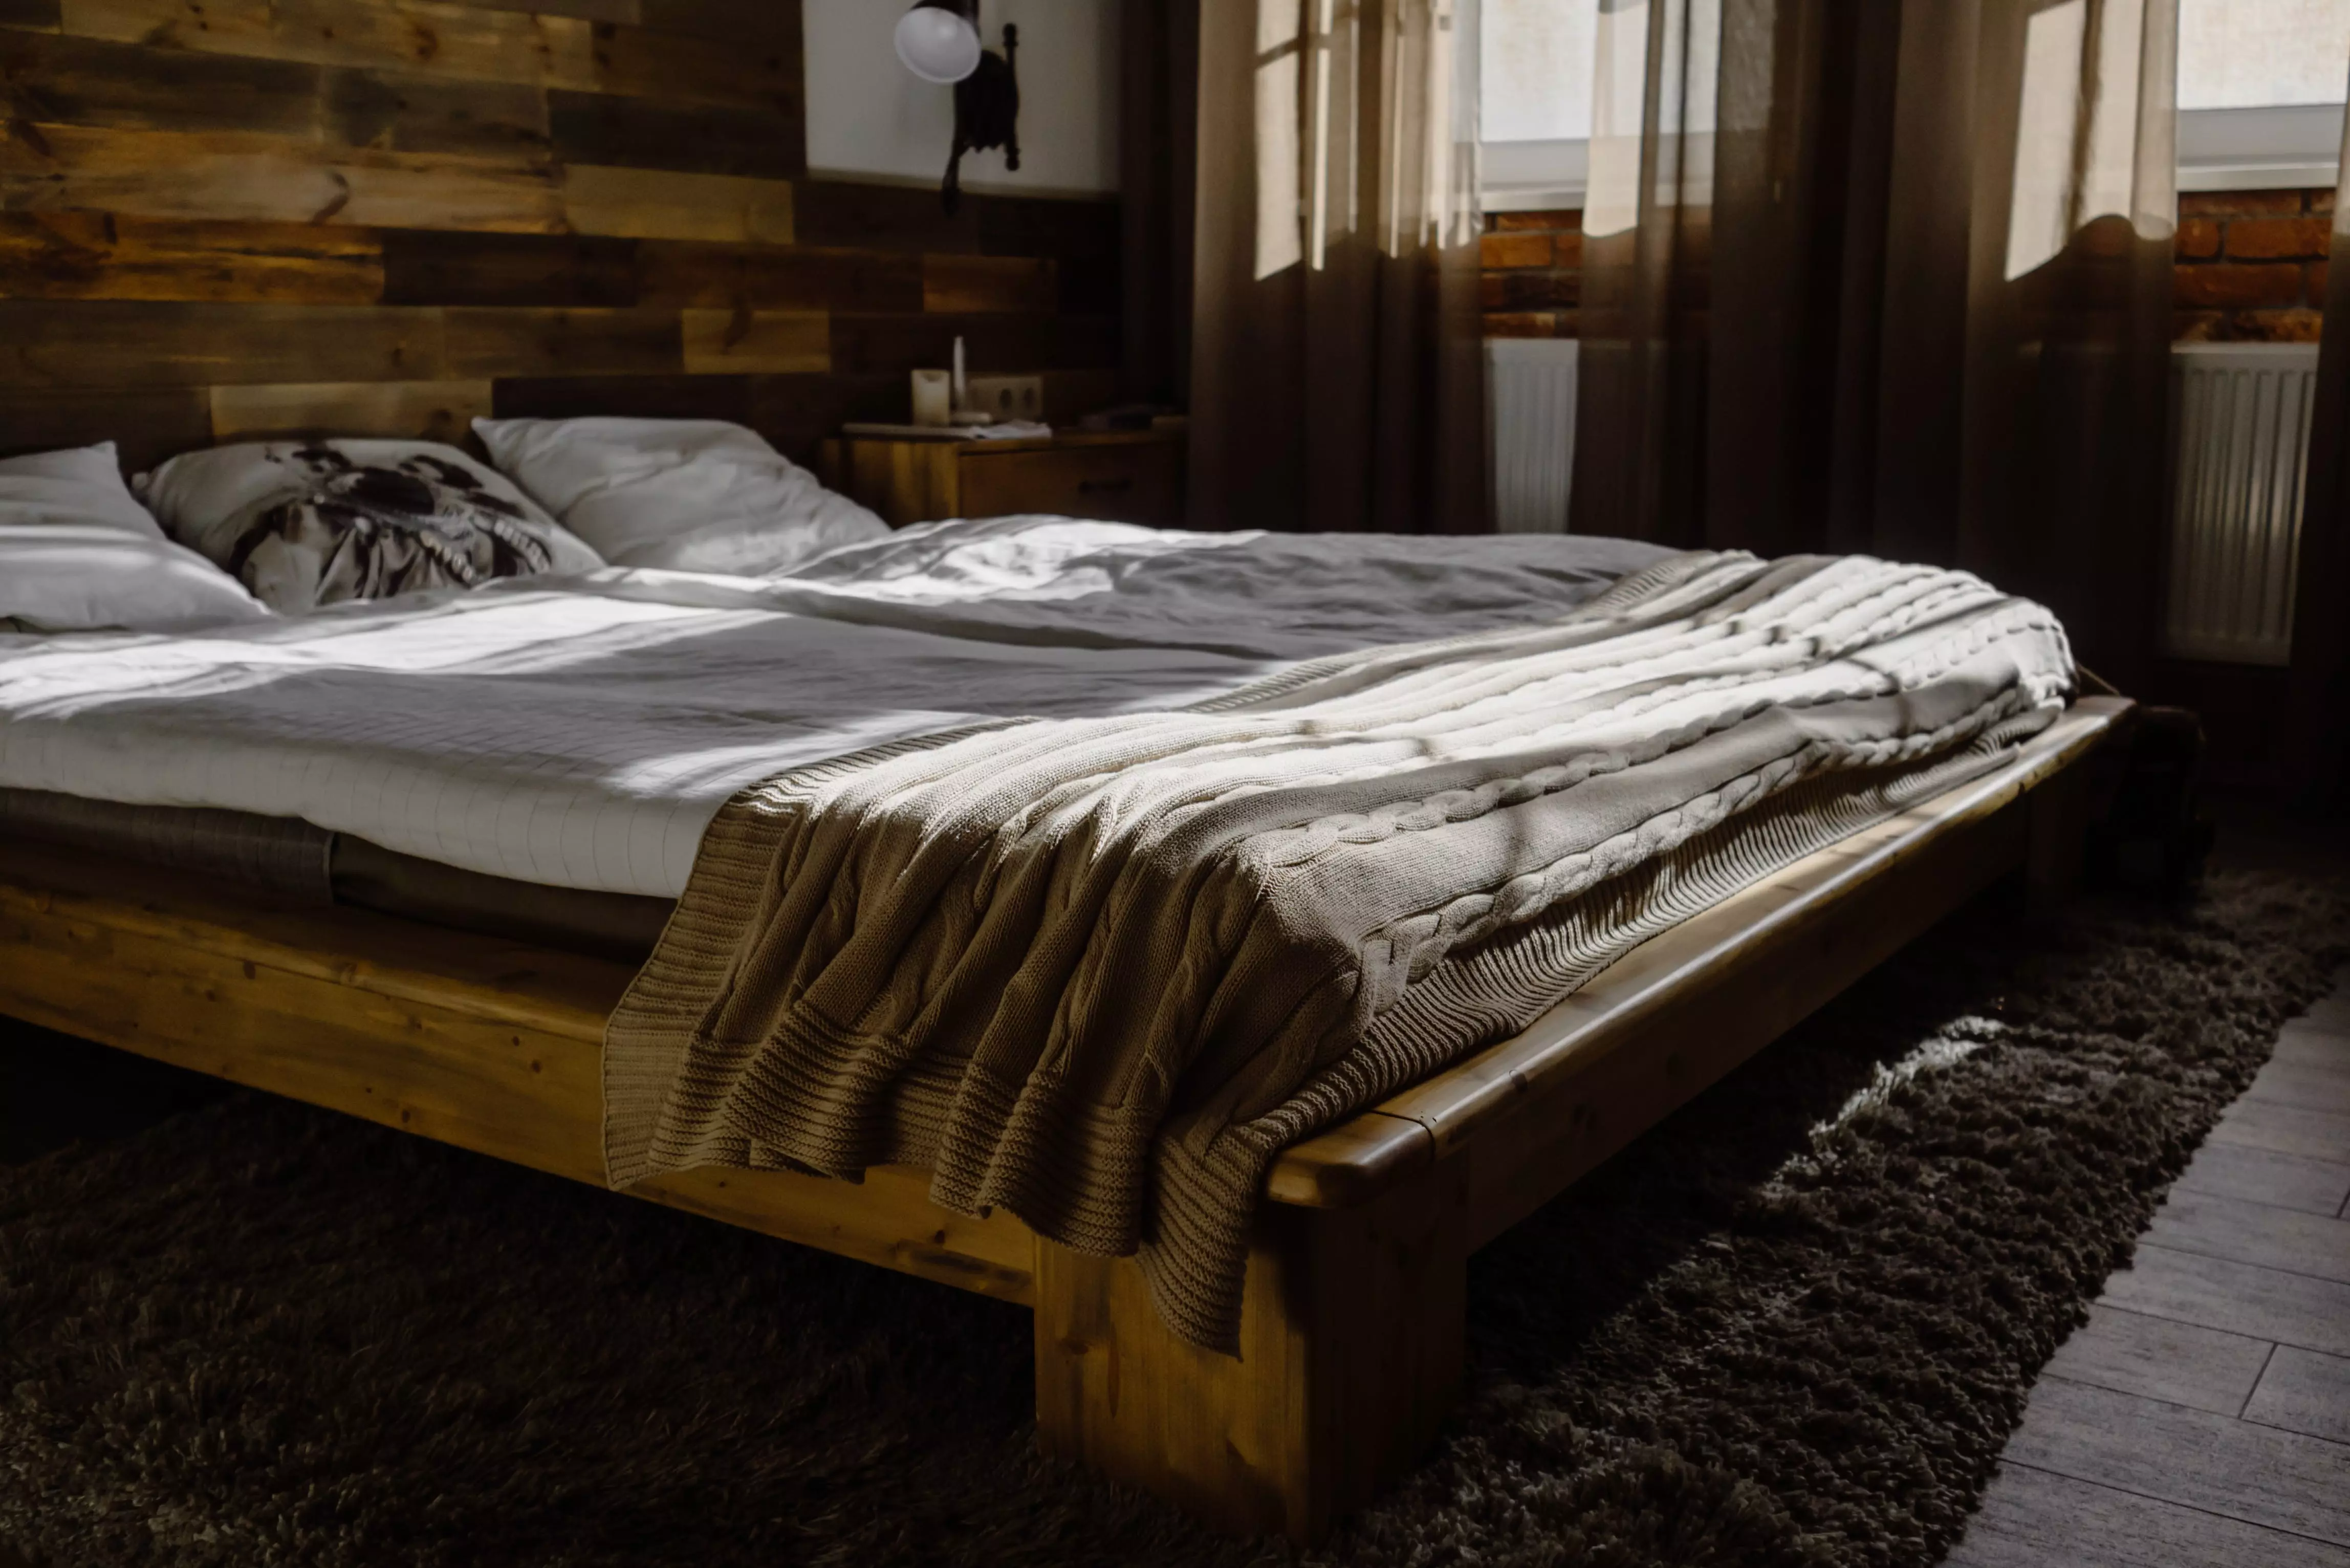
[582, 732]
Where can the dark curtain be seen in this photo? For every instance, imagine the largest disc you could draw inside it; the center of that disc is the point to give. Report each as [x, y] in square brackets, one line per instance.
[1891, 276]
[2319, 718]
[1159, 129]
[1337, 369]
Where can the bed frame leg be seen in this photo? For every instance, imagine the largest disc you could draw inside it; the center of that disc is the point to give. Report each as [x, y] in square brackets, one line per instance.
[2057, 844]
[1351, 1346]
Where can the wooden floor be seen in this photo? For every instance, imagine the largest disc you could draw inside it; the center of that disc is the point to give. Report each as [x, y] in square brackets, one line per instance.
[2203, 1416]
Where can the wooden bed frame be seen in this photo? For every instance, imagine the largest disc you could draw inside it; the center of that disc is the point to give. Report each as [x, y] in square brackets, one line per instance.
[1353, 1330]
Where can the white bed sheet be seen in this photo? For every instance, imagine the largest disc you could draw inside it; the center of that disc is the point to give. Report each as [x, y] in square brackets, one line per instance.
[582, 732]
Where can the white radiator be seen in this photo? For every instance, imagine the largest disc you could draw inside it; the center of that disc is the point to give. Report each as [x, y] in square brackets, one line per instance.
[1530, 403]
[2243, 447]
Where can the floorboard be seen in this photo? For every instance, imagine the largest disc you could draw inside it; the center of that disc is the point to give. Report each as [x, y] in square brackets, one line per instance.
[2262, 1175]
[2177, 1363]
[2303, 1391]
[2331, 1014]
[2035, 1519]
[2283, 1129]
[2308, 1088]
[2301, 1045]
[2236, 1298]
[2235, 1469]
[2240, 1233]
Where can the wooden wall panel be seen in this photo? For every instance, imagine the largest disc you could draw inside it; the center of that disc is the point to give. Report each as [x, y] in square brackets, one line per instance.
[411, 113]
[423, 267]
[1068, 393]
[1084, 238]
[448, 40]
[271, 179]
[97, 255]
[707, 138]
[108, 343]
[770, 277]
[1031, 226]
[233, 219]
[667, 204]
[47, 79]
[678, 397]
[146, 425]
[625, 13]
[495, 342]
[796, 411]
[66, 80]
[678, 67]
[952, 284]
[723, 342]
[995, 343]
[885, 218]
[428, 410]
[793, 411]
[539, 50]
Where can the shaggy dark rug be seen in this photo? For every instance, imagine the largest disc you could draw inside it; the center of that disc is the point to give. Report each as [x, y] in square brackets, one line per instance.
[1792, 1325]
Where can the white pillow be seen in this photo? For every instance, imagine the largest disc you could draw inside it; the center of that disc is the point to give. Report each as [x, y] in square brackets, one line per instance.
[687, 495]
[79, 554]
[305, 523]
[82, 484]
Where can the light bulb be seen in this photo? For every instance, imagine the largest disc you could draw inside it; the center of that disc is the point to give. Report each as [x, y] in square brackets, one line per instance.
[937, 44]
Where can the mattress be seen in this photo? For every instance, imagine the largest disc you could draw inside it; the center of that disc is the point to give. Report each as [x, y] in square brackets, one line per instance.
[581, 733]
[288, 860]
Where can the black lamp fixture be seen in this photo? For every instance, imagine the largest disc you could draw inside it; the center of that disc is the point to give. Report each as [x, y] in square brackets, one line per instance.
[938, 41]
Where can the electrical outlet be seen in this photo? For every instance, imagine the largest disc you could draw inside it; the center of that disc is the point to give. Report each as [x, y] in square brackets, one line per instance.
[1008, 397]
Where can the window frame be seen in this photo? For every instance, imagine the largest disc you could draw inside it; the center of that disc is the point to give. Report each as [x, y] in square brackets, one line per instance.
[2281, 147]
[1534, 176]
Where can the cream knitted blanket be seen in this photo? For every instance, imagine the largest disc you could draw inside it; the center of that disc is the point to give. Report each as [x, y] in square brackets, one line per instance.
[1101, 972]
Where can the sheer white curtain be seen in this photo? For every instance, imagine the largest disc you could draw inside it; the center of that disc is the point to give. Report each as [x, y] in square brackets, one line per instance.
[1336, 375]
[1889, 277]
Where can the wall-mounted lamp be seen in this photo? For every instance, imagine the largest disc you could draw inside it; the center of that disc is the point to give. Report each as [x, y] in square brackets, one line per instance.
[938, 41]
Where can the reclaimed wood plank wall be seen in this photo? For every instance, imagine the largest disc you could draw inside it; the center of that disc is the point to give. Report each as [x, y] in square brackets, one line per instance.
[226, 219]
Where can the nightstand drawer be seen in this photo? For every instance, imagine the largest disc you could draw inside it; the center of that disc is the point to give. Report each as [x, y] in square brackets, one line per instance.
[1119, 477]
[1137, 482]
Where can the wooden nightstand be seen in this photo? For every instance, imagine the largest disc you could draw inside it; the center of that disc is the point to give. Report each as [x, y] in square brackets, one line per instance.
[1124, 476]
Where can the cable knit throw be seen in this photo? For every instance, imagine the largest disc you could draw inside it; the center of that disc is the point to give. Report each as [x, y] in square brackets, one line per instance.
[1101, 972]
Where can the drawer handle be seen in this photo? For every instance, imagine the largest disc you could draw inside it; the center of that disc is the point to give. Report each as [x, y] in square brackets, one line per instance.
[1087, 486]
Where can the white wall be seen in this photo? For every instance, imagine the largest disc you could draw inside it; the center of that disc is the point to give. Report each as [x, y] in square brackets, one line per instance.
[2253, 54]
[868, 116]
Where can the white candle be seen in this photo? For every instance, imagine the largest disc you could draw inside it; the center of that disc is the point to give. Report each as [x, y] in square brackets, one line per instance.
[933, 398]
[961, 388]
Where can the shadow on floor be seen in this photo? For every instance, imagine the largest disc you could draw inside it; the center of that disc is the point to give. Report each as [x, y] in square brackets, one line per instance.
[2257, 834]
[55, 1090]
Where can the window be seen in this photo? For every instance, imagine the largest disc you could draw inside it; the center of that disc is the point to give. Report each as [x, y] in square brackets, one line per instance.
[2261, 90]
[2260, 85]
[1563, 87]
[1536, 72]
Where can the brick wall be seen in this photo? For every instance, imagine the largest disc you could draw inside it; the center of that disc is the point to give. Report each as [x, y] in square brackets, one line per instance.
[2250, 268]
[1532, 280]
[2252, 265]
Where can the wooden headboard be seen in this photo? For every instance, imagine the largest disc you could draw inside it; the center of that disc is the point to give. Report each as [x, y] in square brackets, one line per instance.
[230, 219]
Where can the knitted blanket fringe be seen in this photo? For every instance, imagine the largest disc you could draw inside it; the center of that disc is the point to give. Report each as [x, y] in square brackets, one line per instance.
[1101, 972]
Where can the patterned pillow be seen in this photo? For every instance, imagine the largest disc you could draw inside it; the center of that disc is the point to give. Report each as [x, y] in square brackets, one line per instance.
[309, 523]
